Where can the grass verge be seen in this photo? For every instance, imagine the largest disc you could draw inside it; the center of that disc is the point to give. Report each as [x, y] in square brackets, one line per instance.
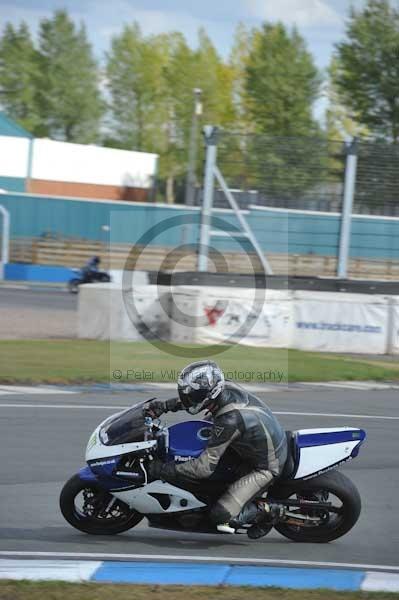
[84, 361]
[26, 590]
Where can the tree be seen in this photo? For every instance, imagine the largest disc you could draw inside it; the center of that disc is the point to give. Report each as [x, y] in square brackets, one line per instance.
[341, 125]
[215, 78]
[19, 71]
[70, 100]
[188, 69]
[282, 160]
[135, 82]
[282, 82]
[368, 68]
[238, 61]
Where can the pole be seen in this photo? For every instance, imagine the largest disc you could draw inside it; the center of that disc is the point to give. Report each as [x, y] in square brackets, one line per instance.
[211, 134]
[5, 242]
[346, 216]
[192, 154]
[244, 225]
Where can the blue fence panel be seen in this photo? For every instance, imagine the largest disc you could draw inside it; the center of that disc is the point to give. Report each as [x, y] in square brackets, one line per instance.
[277, 231]
[12, 184]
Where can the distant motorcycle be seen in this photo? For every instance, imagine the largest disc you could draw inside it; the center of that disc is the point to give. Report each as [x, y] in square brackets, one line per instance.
[311, 500]
[84, 276]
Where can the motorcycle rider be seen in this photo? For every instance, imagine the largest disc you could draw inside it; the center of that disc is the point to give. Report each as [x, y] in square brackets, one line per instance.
[90, 267]
[240, 421]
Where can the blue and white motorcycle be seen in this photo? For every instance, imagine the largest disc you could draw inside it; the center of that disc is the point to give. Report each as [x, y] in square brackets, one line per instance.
[310, 502]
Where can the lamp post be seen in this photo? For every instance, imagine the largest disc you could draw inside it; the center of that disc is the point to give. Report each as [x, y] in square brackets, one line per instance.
[192, 153]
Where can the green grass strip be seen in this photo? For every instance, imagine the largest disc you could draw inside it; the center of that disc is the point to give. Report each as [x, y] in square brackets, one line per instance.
[25, 590]
[85, 361]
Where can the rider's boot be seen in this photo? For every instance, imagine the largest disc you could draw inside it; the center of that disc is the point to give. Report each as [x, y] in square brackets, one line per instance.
[267, 516]
[225, 528]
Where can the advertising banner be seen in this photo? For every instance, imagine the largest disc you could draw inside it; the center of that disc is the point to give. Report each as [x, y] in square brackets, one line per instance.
[330, 322]
[395, 324]
[232, 315]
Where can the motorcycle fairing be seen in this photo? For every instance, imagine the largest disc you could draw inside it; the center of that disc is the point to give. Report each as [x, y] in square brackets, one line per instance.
[159, 497]
[187, 440]
[319, 450]
[96, 450]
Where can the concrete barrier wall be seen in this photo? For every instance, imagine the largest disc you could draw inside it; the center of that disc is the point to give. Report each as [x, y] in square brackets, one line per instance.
[314, 321]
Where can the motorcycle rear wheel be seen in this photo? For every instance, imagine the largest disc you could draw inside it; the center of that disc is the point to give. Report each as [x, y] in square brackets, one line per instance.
[99, 522]
[337, 524]
[73, 286]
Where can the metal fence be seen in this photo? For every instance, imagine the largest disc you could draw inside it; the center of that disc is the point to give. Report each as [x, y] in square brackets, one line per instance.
[377, 179]
[330, 198]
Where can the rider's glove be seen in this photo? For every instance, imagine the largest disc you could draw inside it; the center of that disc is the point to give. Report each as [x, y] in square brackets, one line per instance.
[156, 469]
[156, 408]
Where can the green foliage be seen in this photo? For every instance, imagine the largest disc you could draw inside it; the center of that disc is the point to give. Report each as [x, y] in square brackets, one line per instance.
[134, 79]
[151, 81]
[70, 102]
[367, 76]
[282, 82]
[19, 72]
[340, 124]
[268, 85]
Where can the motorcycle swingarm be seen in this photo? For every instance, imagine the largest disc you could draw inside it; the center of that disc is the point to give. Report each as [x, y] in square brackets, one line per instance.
[302, 503]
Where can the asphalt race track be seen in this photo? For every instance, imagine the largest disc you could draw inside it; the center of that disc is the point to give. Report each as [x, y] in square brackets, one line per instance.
[45, 299]
[43, 440]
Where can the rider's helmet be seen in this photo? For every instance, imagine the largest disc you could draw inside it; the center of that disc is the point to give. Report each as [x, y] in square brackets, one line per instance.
[96, 260]
[199, 385]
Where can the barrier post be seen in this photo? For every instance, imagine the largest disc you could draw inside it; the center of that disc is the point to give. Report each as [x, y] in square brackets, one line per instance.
[211, 135]
[5, 240]
[346, 215]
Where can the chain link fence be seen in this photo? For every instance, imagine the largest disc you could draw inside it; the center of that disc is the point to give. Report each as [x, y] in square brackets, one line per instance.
[296, 193]
[377, 179]
[286, 172]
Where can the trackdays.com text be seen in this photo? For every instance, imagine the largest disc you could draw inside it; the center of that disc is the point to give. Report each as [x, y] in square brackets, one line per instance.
[339, 327]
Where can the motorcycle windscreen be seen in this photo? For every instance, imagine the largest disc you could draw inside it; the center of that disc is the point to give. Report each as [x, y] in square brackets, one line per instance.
[124, 428]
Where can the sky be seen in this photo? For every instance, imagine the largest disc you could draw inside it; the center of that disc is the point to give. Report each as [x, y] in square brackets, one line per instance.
[321, 22]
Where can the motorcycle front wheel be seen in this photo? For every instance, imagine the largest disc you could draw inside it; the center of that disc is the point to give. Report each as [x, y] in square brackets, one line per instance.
[92, 510]
[328, 524]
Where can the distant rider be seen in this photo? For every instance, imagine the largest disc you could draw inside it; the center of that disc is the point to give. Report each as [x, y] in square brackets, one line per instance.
[91, 267]
[240, 421]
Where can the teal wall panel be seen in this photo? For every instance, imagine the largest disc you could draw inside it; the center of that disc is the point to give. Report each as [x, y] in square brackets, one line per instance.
[276, 231]
[13, 184]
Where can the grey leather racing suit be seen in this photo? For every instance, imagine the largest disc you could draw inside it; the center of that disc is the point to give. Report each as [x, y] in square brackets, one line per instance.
[247, 425]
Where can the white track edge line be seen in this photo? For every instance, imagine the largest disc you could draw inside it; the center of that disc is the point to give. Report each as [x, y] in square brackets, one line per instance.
[107, 407]
[199, 559]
